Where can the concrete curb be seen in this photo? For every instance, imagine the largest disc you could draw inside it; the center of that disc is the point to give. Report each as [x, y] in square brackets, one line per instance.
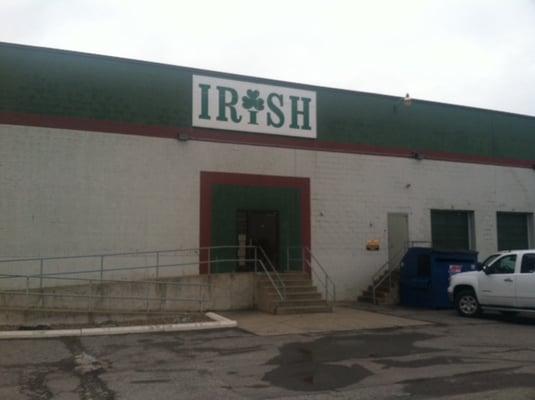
[217, 322]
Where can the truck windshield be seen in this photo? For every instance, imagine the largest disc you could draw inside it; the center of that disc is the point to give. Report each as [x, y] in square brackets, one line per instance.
[490, 259]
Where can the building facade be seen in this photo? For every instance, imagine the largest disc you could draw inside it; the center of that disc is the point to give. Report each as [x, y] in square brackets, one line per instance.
[102, 155]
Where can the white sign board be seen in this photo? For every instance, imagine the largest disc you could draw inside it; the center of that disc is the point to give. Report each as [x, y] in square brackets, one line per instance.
[253, 107]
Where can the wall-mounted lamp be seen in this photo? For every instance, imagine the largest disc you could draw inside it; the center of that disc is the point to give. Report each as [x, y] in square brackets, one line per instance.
[407, 101]
[417, 155]
[183, 136]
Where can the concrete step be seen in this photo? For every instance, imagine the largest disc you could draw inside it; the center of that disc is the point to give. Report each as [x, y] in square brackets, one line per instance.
[365, 299]
[293, 289]
[287, 282]
[283, 309]
[304, 302]
[293, 274]
[301, 295]
[395, 278]
[311, 295]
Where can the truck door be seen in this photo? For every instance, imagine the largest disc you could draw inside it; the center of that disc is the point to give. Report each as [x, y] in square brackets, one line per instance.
[497, 285]
[525, 284]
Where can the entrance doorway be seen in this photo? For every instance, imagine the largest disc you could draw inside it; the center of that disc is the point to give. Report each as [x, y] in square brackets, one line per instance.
[223, 194]
[258, 228]
[398, 236]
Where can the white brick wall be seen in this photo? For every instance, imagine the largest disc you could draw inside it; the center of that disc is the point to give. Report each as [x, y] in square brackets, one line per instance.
[69, 193]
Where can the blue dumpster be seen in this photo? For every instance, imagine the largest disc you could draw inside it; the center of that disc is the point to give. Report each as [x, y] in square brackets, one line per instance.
[425, 273]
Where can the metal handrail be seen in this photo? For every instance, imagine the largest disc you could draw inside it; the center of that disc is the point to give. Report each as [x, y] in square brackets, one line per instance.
[157, 254]
[196, 251]
[219, 260]
[279, 292]
[326, 282]
[77, 275]
[274, 272]
[389, 267]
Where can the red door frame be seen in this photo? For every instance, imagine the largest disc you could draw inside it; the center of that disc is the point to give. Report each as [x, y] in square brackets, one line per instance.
[209, 179]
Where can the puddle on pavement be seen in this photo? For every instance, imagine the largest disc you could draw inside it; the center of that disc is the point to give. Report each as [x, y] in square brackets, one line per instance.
[312, 365]
[423, 362]
[473, 382]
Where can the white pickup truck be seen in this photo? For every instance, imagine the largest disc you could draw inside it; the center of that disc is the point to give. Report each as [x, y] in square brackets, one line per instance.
[504, 282]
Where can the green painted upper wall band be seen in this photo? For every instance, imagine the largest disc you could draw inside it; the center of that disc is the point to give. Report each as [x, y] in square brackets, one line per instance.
[57, 83]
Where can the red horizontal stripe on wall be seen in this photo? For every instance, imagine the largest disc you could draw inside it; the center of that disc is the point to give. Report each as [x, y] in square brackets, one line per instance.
[212, 135]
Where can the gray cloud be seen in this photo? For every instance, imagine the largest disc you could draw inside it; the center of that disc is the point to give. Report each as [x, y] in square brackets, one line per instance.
[478, 53]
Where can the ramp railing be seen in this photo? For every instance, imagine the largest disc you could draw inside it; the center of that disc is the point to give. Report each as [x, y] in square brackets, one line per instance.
[91, 279]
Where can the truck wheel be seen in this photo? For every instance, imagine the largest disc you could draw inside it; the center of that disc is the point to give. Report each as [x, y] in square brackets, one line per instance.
[467, 304]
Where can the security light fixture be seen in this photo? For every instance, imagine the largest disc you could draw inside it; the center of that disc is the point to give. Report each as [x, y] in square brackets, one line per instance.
[417, 155]
[407, 102]
[183, 136]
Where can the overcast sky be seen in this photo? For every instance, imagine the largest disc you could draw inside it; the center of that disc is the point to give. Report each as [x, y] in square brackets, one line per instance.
[472, 52]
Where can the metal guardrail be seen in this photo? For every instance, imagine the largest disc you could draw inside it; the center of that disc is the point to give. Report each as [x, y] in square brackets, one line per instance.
[277, 283]
[38, 282]
[307, 259]
[391, 265]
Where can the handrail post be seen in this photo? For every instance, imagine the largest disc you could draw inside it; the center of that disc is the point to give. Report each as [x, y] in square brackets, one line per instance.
[288, 259]
[303, 259]
[256, 259]
[157, 264]
[390, 276]
[28, 291]
[209, 260]
[92, 298]
[147, 298]
[201, 298]
[334, 294]
[41, 274]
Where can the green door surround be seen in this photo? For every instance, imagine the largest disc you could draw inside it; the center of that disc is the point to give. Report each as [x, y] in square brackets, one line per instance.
[223, 194]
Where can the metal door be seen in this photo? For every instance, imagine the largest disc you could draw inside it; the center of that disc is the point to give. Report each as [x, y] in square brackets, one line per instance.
[258, 228]
[398, 237]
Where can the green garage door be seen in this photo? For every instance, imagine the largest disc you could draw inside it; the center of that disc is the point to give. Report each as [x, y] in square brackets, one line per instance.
[452, 230]
[513, 233]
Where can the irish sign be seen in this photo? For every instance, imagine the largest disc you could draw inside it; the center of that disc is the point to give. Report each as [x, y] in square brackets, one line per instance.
[253, 107]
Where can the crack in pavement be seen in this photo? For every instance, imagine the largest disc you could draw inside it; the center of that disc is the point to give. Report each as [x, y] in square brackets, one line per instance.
[88, 370]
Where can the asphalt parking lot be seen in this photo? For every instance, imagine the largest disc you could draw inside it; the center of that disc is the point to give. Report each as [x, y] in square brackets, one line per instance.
[453, 358]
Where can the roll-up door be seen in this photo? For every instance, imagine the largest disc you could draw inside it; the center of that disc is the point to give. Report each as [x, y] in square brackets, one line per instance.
[452, 230]
[513, 231]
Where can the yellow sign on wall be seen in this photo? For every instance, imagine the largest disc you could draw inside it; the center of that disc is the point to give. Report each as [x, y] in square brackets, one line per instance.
[372, 245]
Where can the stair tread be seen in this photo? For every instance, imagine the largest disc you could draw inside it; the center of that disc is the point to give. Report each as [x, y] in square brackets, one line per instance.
[302, 302]
[297, 295]
[303, 310]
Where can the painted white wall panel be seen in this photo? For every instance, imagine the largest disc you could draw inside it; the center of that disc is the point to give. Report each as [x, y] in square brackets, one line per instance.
[71, 193]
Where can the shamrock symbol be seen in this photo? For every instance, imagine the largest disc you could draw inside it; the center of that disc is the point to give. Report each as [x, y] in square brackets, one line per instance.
[252, 100]
[253, 103]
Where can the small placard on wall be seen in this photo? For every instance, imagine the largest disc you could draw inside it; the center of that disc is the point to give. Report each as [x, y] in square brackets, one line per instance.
[372, 245]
